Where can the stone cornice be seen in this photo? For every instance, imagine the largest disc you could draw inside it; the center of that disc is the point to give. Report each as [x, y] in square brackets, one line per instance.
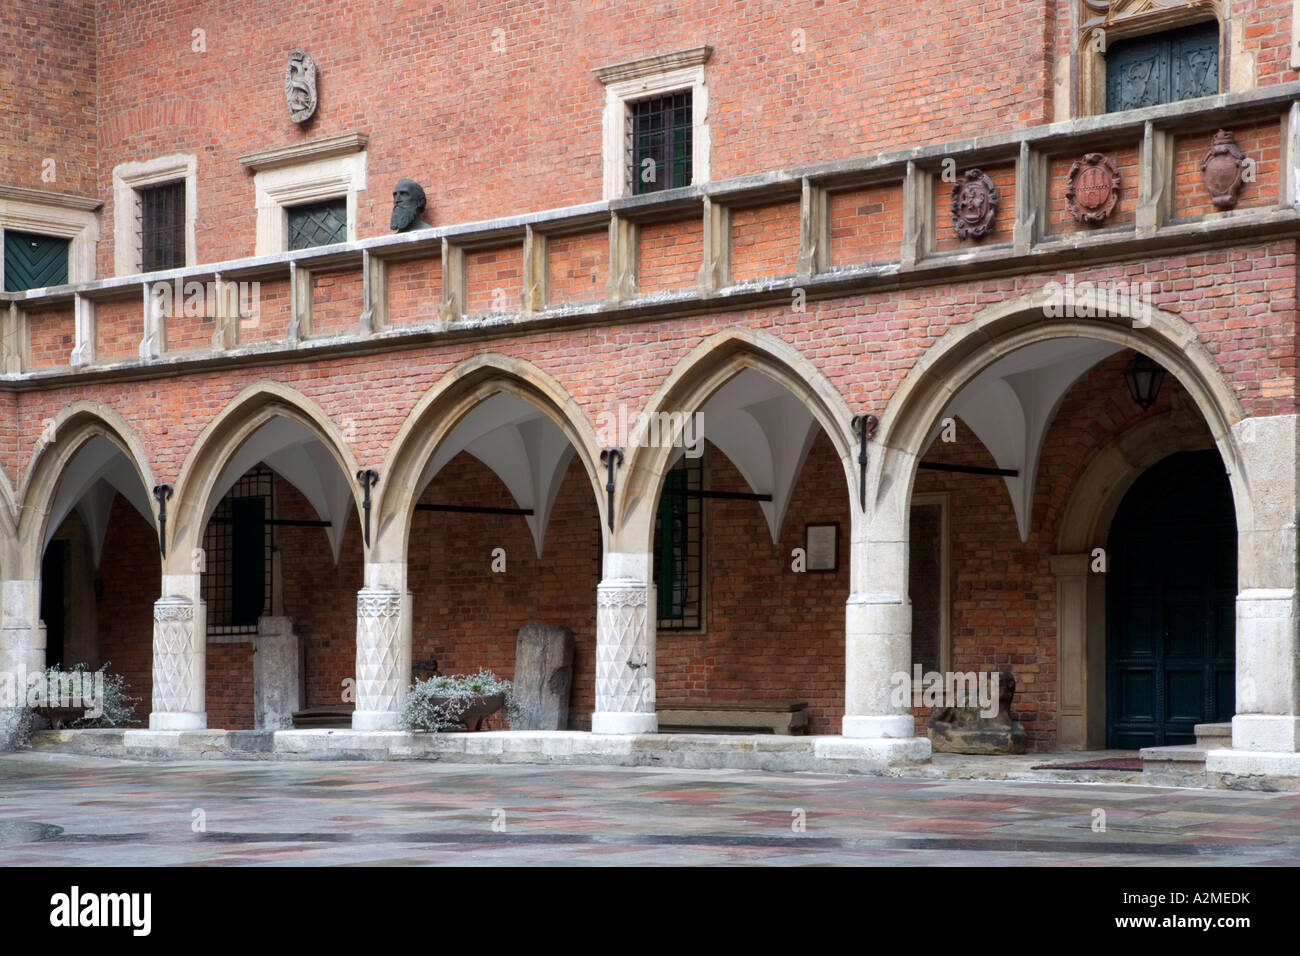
[653, 65]
[40, 197]
[305, 152]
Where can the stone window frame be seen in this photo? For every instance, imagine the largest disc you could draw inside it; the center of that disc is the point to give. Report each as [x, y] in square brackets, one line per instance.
[642, 79]
[63, 216]
[131, 177]
[944, 500]
[1131, 19]
[331, 168]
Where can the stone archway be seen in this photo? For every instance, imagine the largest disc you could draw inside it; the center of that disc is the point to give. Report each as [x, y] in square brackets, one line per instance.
[1080, 593]
[882, 619]
[626, 622]
[246, 427]
[385, 603]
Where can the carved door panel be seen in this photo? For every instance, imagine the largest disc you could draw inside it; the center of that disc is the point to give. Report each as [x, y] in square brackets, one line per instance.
[1162, 68]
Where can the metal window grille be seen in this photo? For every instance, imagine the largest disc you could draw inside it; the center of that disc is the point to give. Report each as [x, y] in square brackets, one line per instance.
[679, 548]
[659, 142]
[318, 224]
[239, 542]
[162, 226]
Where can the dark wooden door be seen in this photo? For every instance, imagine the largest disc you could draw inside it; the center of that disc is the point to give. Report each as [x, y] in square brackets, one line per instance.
[1163, 68]
[34, 262]
[1170, 604]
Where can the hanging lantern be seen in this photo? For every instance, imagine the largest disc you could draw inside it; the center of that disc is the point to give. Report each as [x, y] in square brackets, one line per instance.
[1144, 376]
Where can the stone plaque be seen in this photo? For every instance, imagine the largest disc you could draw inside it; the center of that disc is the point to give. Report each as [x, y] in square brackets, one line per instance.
[1222, 169]
[974, 205]
[300, 86]
[1092, 188]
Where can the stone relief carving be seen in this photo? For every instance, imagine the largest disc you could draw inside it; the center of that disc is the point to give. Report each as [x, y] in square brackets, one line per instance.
[300, 86]
[1092, 188]
[1222, 170]
[974, 205]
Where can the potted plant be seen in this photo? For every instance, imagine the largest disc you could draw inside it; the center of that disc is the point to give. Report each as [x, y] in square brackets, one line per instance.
[456, 701]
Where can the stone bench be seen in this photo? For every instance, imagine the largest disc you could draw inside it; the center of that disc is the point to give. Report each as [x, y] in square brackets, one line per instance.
[703, 716]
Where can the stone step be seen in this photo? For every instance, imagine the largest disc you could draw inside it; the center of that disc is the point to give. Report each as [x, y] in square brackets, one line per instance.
[1214, 736]
[1178, 765]
[315, 718]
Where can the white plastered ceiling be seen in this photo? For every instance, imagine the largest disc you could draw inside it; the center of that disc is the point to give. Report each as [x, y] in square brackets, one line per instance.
[522, 446]
[298, 456]
[1010, 406]
[766, 433]
[96, 474]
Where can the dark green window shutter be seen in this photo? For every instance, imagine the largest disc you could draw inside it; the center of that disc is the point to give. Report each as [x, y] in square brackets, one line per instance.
[1163, 68]
[34, 262]
[318, 224]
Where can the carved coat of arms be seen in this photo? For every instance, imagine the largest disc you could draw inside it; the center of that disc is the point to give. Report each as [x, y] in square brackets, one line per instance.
[1222, 170]
[300, 86]
[1092, 188]
[974, 205]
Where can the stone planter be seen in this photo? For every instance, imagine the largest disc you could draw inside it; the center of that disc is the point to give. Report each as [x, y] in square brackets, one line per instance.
[58, 716]
[481, 707]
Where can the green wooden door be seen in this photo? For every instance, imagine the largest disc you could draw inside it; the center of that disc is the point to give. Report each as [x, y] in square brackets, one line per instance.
[1163, 68]
[34, 262]
[1170, 604]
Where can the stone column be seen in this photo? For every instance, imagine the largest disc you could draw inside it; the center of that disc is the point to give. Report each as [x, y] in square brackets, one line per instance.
[1267, 717]
[625, 647]
[277, 674]
[878, 720]
[180, 653]
[383, 648]
[22, 640]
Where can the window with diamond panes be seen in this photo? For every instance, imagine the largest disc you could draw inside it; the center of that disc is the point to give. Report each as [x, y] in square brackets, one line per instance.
[659, 130]
[1163, 67]
[162, 226]
[318, 224]
[679, 548]
[238, 542]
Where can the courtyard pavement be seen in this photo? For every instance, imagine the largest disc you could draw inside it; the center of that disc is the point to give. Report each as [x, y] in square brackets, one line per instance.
[84, 811]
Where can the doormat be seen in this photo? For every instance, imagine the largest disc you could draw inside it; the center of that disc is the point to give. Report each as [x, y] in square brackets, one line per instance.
[1112, 763]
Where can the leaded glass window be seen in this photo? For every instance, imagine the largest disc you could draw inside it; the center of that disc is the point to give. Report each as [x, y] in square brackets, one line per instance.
[318, 224]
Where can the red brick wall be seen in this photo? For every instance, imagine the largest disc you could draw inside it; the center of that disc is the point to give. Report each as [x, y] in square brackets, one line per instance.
[52, 335]
[493, 279]
[230, 686]
[119, 328]
[866, 224]
[414, 290]
[669, 254]
[764, 241]
[130, 569]
[336, 301]
[579, 267]
[48, 107]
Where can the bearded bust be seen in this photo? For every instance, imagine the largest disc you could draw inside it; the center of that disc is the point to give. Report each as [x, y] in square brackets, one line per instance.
[408, 204]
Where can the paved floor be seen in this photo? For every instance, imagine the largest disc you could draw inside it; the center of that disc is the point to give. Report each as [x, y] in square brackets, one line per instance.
[58, 809]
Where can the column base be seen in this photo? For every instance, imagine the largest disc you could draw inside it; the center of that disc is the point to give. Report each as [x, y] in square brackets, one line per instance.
[1266, 732]
[177, 720]
[624, 723]
[376, 720]
[875, 753]
[894, 725]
